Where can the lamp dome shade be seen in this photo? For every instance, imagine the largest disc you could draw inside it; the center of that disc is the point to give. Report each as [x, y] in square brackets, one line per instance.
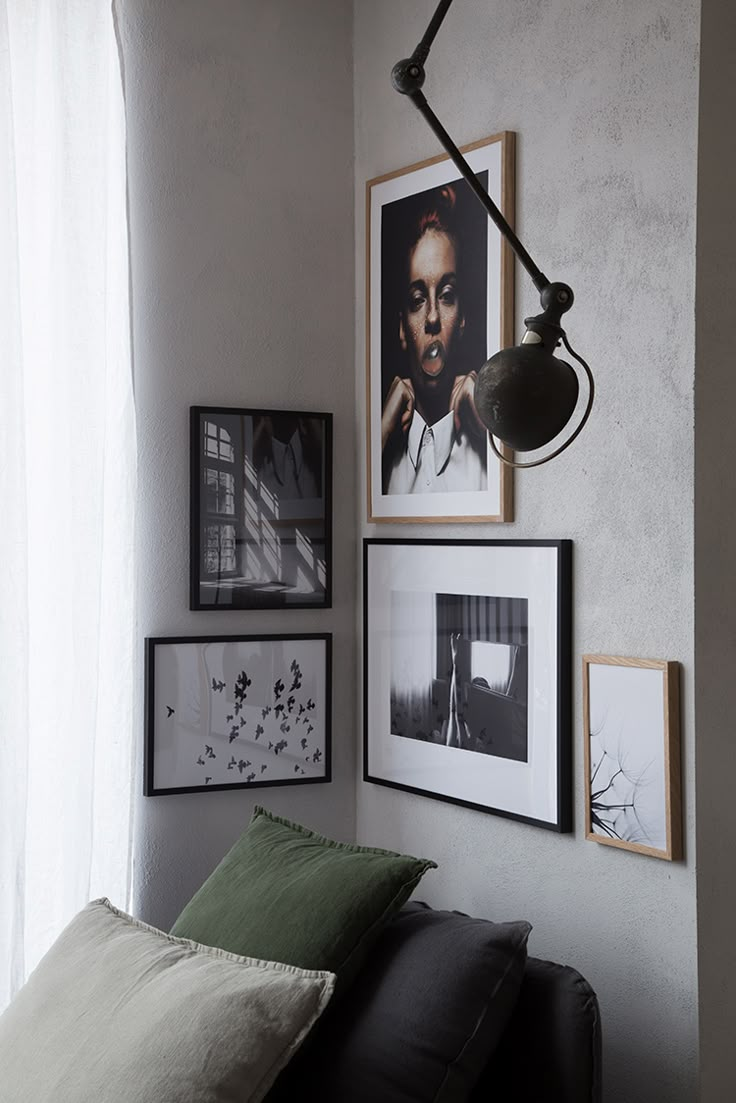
[525, 396]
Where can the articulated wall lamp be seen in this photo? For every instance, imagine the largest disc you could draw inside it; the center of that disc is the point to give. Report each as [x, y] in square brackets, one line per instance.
[524, 395]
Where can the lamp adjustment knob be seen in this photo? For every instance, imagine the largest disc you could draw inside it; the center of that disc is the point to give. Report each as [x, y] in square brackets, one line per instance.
[557, 297]
[407, 76]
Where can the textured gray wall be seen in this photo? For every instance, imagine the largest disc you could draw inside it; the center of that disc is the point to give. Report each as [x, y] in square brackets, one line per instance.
[715, 551]
[604, 100]
[241, 215]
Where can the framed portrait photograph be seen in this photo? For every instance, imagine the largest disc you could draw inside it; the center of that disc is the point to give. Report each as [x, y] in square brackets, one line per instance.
[467, 673]
[261, 509]
[440, 302]
[236, 712]
[632, 754]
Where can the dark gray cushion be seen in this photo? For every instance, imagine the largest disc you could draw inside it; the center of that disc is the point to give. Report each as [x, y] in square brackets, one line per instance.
[421, 1019]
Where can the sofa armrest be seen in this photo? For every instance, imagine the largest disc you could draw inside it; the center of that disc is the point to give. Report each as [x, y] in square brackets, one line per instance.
[551, 1049]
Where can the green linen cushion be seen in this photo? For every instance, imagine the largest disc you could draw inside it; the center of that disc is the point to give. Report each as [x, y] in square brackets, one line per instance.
[120, 1012]
[287, 894]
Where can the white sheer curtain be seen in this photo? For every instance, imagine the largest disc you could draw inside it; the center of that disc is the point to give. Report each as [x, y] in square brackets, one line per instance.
[67, 476]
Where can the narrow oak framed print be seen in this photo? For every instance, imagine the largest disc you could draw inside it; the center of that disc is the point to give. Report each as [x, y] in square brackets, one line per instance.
[632, 754]
[467, 673]
[440, 293]
[236, 712]
[261, 509]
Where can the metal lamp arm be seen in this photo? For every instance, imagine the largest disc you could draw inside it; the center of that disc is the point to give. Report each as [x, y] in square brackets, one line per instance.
[422, 50]
[538, 277]
[407, 77]
[496, 392]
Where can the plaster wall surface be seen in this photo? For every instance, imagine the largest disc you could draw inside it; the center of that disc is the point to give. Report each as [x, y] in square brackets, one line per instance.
[603, 98]
[715, 553]
[241, 217]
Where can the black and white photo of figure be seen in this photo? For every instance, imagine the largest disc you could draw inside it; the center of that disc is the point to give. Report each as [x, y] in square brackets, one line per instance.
[627, 755]
[433, 340]
[237, 712]
[460, 671]
[261, 486]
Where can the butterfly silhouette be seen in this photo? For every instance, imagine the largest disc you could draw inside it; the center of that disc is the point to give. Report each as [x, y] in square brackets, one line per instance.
[169, 711]
[264, 767]
[310, 729]
[243, 721]
[217, 686]
[232, 763]
[284, 727]
[278, 710]
[290, 703]
[278, 689]
[265, 712]
[259, 730]
[228, 718]
[311, 705]
[207, 780]
[304, 744]
[250, 777]
[238, 707]
[233, 735]
[294, 668]
[280, 746]
[209, 753]
[302, 710]
[317, 755]
[200, 761]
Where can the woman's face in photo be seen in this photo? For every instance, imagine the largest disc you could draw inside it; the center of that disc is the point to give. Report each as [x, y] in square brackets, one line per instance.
[432, 320]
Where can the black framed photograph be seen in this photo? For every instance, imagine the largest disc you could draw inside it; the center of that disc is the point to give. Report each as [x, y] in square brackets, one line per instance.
[261, 509]
[236, 712]
[440, 302]
[467, 673]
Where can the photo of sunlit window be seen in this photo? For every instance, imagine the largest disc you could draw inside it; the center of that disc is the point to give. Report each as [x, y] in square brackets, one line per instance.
[261, 509]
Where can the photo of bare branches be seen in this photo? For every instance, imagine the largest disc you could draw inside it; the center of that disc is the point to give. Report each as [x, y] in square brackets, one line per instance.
[632, 755]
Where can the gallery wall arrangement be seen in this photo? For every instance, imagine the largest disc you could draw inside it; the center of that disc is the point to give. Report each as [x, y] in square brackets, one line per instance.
[466, 643]
[236, 712]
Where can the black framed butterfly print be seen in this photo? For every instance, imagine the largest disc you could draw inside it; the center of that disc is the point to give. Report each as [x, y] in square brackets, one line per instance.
[236, 712]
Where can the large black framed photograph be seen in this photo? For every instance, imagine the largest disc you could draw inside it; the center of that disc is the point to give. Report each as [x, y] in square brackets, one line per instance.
[440, 301]
[236, 712]
[261, 509]
[467, 673]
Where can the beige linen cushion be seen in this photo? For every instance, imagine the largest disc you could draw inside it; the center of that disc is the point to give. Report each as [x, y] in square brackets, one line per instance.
[118, 1012]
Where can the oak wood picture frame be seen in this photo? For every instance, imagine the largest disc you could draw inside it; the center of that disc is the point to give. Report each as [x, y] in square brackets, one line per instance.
[494, 156]
[631, 712]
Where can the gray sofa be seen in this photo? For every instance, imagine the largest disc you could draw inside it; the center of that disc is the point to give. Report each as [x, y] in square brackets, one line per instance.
[449, 1009]
[550, 1051]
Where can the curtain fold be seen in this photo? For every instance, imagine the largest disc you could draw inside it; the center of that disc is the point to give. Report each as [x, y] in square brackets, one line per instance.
[67, 476]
